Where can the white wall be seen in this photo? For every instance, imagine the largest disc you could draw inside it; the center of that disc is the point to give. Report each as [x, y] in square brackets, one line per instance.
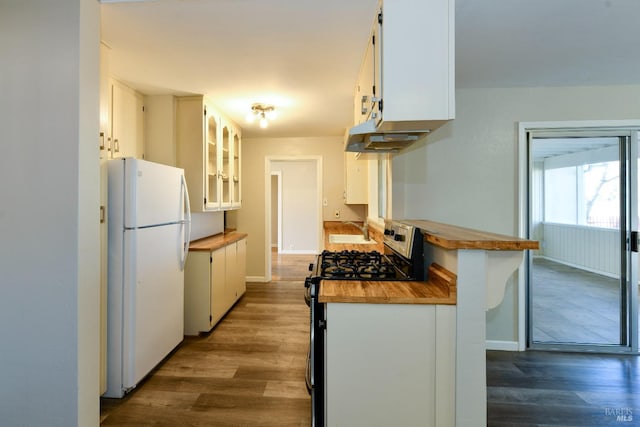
[466, 174]
[251, 218]
[160, 129]
[300, 204]
[589, 248]
[49, 187]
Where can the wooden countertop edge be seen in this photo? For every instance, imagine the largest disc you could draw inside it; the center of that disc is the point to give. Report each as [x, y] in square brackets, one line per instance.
[440, 288]
[449, 236]
[215, 242]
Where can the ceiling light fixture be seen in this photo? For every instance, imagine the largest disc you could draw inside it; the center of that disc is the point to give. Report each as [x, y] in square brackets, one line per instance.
[263, 113]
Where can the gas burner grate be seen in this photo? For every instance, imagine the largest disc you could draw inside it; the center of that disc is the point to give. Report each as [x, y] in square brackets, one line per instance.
[356, 265]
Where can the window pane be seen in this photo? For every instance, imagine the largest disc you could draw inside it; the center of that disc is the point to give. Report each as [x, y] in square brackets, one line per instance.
[560, 195]
[602, 194]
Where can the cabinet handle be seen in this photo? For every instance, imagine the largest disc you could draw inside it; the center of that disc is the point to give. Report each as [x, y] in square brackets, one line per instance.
[116, 146]
[101, 140]
[101, 214]
[363, 105]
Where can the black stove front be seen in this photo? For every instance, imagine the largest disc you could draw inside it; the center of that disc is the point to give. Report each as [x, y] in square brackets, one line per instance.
[402, 260]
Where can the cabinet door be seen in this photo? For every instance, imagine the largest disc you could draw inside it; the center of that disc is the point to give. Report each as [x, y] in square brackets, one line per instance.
[241, 267]
[355, 179]
[231, 287]
[219, 304]
[197, 292]
[236, 197]
[127, 122]
[368, 88]
[225, 171]
[213, 161]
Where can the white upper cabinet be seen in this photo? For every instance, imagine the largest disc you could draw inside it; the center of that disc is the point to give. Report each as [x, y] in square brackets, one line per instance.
[208, 149]
[407, 75]
[127, 122]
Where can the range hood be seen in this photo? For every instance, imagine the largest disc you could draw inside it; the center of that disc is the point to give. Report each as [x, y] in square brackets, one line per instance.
[368, 137]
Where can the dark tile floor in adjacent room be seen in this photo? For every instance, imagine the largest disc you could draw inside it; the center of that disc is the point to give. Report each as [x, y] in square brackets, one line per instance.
[574, 306]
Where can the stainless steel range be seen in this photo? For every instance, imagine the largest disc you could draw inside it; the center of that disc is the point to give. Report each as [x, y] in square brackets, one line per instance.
[403, 259]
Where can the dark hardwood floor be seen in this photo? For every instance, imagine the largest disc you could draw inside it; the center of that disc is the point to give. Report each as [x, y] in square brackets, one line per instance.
[249, 371]
[562, 389]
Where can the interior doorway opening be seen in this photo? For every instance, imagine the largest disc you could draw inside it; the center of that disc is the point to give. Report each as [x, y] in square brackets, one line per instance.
[294, 226]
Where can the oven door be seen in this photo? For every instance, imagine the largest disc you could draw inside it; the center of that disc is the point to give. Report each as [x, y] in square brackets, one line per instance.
[315, 359]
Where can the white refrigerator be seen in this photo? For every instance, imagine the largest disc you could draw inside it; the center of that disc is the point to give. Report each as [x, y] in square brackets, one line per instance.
[149, 230]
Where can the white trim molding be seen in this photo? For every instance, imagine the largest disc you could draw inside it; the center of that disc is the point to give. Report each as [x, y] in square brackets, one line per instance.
[503, 345]
[523, 191]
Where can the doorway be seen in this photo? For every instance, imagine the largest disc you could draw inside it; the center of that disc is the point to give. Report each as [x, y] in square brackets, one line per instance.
[294, 184]
[581, 285]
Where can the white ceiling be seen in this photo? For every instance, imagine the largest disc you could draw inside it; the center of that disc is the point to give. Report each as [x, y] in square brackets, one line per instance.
[303, 55]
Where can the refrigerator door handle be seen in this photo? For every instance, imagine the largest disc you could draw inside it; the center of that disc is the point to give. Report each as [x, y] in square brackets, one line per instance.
[187, 228]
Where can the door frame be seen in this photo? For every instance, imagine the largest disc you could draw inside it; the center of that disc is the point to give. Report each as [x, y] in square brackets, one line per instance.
[267, 203]
[278, 175]
[523, 210]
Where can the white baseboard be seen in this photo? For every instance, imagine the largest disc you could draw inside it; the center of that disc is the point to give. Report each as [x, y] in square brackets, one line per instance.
[258, 279]
[502, 345]
[298, 252]
[580, 267]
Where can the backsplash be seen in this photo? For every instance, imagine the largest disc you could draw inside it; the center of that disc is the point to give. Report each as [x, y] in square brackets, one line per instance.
[205, 224]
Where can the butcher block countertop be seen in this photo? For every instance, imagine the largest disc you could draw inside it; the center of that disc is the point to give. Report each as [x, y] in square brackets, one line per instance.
[440, 288]
[339, 227]
[217, 241]
[453, 237]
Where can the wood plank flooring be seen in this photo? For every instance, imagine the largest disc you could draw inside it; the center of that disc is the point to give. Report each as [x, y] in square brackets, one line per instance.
[248, 371]
[290, 267]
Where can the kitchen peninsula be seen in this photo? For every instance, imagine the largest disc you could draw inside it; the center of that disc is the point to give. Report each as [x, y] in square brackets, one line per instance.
[410, 360]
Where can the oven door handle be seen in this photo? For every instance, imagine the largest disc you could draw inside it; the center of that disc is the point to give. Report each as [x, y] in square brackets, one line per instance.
[307, 374]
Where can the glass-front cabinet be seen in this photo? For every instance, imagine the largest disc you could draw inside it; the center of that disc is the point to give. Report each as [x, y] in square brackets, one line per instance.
[236, 198]
[213, 198]
[226, 166]
[208, 149]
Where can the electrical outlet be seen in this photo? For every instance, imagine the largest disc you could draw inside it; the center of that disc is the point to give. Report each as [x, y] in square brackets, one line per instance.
[336, 213]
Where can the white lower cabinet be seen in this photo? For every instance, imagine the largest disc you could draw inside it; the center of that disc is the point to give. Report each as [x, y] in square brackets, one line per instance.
[390, 365]
[213, 282]
[235, 281]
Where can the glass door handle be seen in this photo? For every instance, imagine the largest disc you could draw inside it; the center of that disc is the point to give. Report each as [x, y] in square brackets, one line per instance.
[634, 241]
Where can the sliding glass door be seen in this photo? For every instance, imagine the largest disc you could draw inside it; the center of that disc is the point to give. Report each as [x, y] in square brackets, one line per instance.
[582, 284]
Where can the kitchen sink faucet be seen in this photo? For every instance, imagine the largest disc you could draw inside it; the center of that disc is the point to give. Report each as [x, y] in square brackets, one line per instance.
[364, 228]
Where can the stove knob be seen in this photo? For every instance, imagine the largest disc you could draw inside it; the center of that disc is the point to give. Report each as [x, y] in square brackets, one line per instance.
[398, 238]
[310, 267]
[388, 231]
